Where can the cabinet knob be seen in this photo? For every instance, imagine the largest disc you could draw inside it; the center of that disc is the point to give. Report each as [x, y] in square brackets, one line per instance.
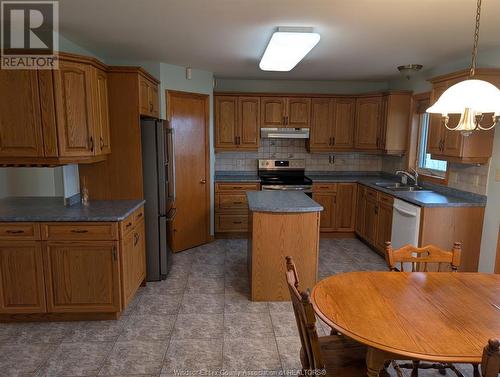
[203, 181]
[102, 143]
[91, 144]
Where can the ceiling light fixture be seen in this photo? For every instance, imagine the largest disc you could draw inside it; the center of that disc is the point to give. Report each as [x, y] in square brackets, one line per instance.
[287, 48]
[471, 98]
[409, 70]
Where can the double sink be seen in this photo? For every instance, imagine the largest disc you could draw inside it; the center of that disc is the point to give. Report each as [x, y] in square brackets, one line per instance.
[395, 186]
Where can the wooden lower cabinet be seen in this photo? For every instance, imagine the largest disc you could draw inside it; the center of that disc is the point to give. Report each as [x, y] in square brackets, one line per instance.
[339, 206]
[327, 216]
[82, 276]
[22, 283]
[59, 271]
[231, 207]
[374, 217]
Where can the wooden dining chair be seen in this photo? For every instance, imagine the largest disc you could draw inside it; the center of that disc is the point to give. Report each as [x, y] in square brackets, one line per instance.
[335, 355]
[421, 257]
[490, 364]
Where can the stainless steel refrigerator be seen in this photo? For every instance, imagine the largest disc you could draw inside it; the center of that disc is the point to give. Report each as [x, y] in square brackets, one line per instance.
[159, 192]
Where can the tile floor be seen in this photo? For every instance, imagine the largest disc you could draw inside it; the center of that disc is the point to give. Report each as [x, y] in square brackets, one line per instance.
[198, 319]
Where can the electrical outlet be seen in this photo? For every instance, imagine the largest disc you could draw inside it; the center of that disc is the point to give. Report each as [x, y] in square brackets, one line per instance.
[476, 181]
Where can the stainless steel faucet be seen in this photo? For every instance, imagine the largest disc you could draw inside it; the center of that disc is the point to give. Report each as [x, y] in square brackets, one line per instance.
[413, 177]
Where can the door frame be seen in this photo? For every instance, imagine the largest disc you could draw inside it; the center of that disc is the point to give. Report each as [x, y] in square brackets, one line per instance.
[169, 94]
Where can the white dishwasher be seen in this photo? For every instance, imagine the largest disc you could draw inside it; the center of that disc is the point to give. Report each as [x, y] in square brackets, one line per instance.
[405, 224]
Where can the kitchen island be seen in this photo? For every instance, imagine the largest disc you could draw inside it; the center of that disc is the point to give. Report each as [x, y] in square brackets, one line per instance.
[281, 223]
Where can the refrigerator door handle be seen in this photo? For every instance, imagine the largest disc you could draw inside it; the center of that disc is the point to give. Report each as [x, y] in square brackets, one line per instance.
[171, 163]
[160, 163]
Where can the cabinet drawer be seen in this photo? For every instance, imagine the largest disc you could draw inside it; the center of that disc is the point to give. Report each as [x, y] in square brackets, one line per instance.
[386, 199]
[324, 187]
[371, 194]
[130, 222]
[226, 187]
[231, 202]
[80, 231]
[231, 223]
[19, 231]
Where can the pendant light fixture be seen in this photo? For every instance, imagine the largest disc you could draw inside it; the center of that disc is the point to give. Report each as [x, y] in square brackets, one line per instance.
[470, 98]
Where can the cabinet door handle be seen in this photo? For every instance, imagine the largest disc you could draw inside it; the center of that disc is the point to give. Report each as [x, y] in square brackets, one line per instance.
[237, 222]
[102, 143]
[15, 231]
[79, 231]
[237, 202]
[376, 210]
[236, 140]
[151, 107]
[128, 225]
[333, 140]
[378, 142]
[136, 238]
[91, 144]
[115, 258]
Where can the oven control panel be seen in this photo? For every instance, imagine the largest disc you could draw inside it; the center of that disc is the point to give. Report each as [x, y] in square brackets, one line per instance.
[282, 164]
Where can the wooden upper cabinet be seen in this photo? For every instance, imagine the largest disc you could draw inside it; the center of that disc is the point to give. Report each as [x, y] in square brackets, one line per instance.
[435, 138]
[75, 117]
[82, 276]
[344, 123]
[20, 116]
[22, 287]
[237, 121]
[226, 119]
[102, 130]
[345, 211]
[395, 123]
[321, 124]
[273, 110]
[298, 112]
[368, 117]
[148, 97]
[248, 122]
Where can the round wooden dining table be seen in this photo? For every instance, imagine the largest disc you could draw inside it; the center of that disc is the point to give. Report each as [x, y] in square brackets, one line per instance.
[438, 316]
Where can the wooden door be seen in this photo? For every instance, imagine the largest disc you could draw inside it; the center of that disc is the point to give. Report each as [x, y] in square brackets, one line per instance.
[384, 229]
[82, 276]
[368, 112]
[435, 137]
[144, 92]
[22, 288]
[226, 122]
[327, 216]
[188, 115]
[345, 211]
[102, 131]
[344, 123]
[298, 112]
[321, 124]
[133, 259]
[248, 123]
[272, 111]
[371, 220]
[360, 211]
[20, 116]
[75, 119]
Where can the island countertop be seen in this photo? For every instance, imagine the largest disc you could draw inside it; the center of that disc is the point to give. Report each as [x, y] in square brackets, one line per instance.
[281, 202]
[32, 209]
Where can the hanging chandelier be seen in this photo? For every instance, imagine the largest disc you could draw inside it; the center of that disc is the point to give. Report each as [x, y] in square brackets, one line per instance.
[470, 98]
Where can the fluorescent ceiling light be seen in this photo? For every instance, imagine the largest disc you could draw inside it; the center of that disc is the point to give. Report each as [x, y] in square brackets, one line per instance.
[287, 48]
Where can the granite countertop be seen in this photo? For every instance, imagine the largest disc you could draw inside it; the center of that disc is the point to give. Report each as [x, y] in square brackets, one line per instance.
[281, 201]
[235, 176]
[14, 209]
[438, 197]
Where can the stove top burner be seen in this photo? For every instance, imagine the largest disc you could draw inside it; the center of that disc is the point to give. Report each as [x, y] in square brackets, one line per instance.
[283, 172]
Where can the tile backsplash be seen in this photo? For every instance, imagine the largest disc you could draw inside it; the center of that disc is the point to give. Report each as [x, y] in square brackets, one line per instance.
[289, 149]
[469, 178]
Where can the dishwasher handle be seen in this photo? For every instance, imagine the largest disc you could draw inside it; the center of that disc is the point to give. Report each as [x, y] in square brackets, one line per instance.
[405, 212]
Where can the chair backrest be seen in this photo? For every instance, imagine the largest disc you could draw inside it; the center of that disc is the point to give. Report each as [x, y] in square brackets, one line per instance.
[306, 320]
[490, 364]
[421, 257]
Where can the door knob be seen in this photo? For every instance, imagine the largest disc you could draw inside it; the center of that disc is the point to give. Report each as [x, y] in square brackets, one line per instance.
[203, 181]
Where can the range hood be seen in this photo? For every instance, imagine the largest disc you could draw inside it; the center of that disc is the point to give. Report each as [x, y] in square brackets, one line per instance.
[284, 133]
